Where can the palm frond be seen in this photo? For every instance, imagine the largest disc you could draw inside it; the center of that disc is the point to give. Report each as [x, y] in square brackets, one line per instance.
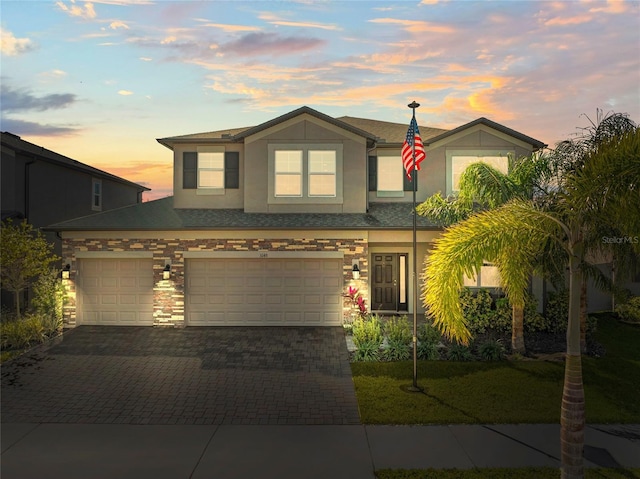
[509, 236]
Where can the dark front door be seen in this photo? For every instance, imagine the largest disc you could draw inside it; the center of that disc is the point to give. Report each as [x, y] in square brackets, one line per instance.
[388, 288]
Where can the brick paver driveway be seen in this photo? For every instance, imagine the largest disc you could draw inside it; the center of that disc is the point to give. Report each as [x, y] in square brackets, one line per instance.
[222, 375]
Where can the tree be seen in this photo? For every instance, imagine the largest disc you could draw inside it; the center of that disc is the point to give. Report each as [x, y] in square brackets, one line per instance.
[512, 236]
[482, 188]
[571, 156]
[25, 254]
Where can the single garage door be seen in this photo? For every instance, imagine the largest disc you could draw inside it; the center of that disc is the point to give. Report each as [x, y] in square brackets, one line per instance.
[265, 292]
[115, 292]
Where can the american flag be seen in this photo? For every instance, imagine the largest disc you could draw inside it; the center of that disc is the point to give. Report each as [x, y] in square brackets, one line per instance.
[413, 135]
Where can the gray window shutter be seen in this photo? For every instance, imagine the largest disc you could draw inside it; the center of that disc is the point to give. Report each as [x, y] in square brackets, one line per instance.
[406, 184]
[232, 170]
[189, 170]
[373, 173]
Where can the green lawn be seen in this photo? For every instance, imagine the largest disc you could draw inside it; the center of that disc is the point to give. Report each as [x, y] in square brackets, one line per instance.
[520, 473]
[504, 392]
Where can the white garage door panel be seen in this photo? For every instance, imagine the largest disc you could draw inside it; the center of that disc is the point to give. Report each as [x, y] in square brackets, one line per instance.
[115, 291]
[267, 292]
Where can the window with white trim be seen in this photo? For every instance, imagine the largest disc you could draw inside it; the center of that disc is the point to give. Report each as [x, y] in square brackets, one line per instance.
[489, 277]
[459, 160]
[305, 173]
[96, 194]
[390, 176]
[210, 169]
[322, 173]
[288, 173]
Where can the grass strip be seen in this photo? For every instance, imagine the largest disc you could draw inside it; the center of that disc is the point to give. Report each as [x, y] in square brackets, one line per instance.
[505, 392]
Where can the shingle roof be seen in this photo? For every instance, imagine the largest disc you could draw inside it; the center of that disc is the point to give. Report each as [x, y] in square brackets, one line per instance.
[390, 132]
[17, 144]
[384, 132]
[536, 144]
[161, 215]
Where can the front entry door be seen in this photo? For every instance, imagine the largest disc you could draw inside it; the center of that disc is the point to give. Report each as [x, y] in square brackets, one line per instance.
[389, 282]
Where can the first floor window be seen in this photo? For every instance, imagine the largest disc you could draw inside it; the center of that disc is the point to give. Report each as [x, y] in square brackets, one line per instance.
[288, 173]
[210, 170]
[489, 277]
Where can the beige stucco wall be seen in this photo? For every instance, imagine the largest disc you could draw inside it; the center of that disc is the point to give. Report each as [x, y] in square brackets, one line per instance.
[305, 130]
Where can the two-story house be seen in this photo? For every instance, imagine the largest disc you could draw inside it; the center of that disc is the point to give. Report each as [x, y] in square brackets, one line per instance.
[270, 225]
[45, 187]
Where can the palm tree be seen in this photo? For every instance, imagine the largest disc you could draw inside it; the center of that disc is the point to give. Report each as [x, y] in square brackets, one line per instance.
[482, 188]
[569, 157]
[513, 235]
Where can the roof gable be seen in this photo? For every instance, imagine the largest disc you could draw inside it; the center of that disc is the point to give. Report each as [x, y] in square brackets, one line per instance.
[536, 144]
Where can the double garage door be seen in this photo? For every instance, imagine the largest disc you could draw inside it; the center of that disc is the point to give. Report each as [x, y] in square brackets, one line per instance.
[218, 291]
[264, 292]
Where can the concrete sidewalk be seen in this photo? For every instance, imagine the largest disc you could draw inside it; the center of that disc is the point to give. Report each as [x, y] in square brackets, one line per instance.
[272, 451]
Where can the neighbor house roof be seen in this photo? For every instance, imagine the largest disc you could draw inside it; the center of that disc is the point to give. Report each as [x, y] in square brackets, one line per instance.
[161, 215]
[17, 144]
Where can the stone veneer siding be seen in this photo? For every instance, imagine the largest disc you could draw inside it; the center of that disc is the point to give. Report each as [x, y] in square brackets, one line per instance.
[168, 297]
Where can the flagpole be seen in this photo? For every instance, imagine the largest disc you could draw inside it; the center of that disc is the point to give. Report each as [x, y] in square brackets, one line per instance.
[415, 388]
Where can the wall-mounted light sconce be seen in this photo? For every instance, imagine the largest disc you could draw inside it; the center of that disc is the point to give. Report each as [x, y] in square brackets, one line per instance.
[66, 272]
[355, 272]
[166, 272]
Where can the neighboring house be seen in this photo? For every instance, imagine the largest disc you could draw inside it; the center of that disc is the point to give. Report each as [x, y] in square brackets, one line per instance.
[44, 187]
[267, 223]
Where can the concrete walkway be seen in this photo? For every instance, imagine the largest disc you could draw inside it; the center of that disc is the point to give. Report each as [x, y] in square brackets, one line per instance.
[291, 451]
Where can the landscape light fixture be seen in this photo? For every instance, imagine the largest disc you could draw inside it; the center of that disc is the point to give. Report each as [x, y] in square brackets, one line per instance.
[166, 272]
[66, 272]
[355, 271]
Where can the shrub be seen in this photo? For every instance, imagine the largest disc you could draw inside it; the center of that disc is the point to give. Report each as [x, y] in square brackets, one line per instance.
[398, 330]
[502, 319]
[367, 338]
[477, 309]
[48, 301]
[459, 352]
[367, 351]
[429, 334]
[429, 339]
[399, 338]
[630, 311]
[491, 350]
[557, 311]
[22, 333]
[428, 351]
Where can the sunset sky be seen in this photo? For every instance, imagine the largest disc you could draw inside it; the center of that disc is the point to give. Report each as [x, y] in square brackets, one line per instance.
[100, 81]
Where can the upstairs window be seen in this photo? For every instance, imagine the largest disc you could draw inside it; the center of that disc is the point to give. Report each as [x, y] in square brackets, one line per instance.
[96, 195]
[387, 176]
[305, 173]
[322, 173]
[288, 173]
[459, 160]
[211, 170]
